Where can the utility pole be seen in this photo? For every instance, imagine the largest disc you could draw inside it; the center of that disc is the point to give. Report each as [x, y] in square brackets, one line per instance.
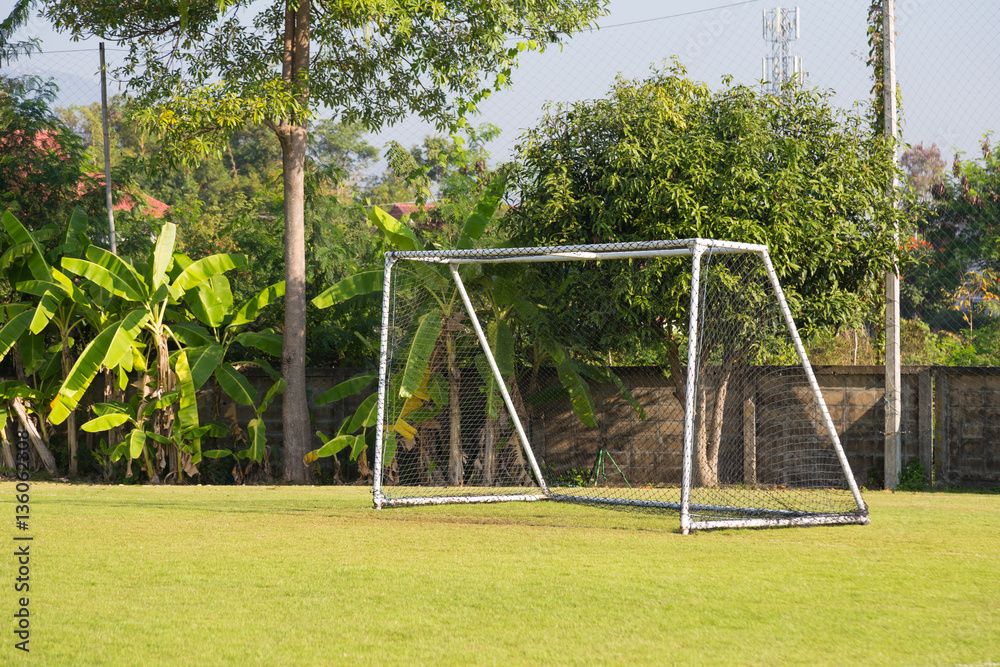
[893, 377]
[781, 26]
[107, 155]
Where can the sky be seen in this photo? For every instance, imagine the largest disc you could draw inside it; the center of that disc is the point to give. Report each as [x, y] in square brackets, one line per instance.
[947, 62]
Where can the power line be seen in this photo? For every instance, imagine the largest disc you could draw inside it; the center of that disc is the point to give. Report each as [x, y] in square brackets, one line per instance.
[46, 53]
[674, 16]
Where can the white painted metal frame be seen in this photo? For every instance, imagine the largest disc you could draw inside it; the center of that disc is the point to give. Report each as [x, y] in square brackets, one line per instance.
[696, 249]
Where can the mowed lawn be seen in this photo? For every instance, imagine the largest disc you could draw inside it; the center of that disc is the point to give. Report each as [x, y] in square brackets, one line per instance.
[279, 575]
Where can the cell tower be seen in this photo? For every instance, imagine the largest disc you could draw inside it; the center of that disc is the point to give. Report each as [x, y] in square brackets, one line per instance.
[781, 26]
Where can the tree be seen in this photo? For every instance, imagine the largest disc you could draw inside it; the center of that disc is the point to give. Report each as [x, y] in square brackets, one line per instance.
[956, 242]
[667, 158]
[204, 70]
[924, 170]
[41, 159]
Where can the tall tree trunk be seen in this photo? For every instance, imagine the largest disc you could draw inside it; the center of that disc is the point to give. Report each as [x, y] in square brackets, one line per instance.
[35, 437]
[293, 136]
[71, 435]
[718, 417]
[456, 457]
[701, 439]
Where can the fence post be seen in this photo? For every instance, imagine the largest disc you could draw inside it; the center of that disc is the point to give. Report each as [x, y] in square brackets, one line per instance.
[893, 379]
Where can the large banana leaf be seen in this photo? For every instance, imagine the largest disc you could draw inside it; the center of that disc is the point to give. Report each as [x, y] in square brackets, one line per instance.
[211, 301]
[576, 386]
[278, 387]
[113, 342]
[204, 360]
[104, 278]
[76, 295]
[366, 414]
[47, 307]
[13, 330]
[501, 340]
[200, 271]
[248, 311]
[331, 446]
[105, 422]
[486, 207]
[40, 288]
[266, 342]
[346, 388]
[162, 255]
[21, 236]
[419, 355]
[368, 282]
[191, 334]
[235, 385]
[136, 441]
[17, 389]
[32, 349]
[112, 408]
[187, 409]
[258, 440]
[394, 230]
[120, 268]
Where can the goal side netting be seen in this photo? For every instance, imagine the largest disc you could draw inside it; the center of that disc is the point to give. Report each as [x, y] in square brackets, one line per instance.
[663, 375]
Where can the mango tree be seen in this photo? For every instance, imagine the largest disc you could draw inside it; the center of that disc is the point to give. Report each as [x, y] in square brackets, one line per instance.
[671, 158]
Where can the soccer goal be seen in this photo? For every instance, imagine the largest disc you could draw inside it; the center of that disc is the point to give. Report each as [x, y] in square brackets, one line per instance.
[664, 375]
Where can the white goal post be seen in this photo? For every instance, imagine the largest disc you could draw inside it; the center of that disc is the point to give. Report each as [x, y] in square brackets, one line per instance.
[660, 375]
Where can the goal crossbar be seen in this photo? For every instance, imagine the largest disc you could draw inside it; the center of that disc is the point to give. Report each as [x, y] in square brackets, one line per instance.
[695, 248]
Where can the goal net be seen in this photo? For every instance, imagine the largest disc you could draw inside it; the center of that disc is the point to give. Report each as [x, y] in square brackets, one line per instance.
[664, 375]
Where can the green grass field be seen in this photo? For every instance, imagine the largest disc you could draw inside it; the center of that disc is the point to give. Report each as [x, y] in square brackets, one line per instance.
[265, 575]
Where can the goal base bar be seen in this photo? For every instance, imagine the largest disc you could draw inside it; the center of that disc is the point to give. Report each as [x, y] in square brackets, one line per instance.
[812, 520]
[458, 500]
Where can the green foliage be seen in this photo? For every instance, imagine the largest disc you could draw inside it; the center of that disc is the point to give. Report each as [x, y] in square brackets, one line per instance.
[911, 478]
[41, 160]
[951, 283]
[669, 158]
[575, 477]
[218, 75]
[132, 310]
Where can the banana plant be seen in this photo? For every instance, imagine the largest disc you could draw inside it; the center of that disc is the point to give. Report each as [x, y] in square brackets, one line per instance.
[138, 339]
[436, 342]
[210, 336]
[57, 303]
[430, 378]
[255, 452]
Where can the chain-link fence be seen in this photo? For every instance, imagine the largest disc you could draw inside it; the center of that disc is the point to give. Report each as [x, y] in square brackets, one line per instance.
[945, 69]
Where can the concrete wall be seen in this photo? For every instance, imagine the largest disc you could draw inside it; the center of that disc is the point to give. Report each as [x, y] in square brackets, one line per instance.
[967, 426]
[950, 420]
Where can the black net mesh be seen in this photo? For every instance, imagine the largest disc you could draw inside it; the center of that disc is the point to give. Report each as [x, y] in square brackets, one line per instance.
[593, 354]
